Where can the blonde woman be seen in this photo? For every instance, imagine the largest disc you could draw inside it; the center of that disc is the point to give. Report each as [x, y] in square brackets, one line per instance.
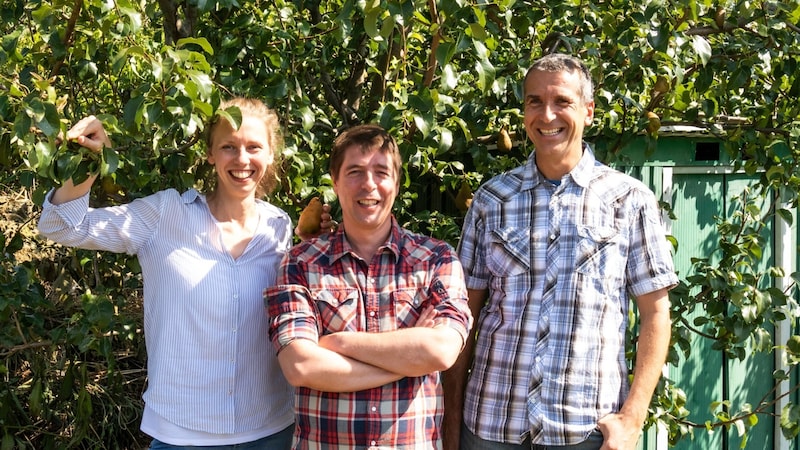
[206, 258]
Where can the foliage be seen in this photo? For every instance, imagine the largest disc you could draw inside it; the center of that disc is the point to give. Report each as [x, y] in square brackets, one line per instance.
[443, 76]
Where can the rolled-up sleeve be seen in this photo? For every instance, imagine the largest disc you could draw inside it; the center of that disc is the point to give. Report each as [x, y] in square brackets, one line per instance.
[449, 296]
[290, 315]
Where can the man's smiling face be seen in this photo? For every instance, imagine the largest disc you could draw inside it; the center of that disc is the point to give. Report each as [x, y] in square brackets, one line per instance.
[366, 185]
[556, 115]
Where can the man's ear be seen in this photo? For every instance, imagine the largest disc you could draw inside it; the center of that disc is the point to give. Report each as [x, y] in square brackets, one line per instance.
[589, 113]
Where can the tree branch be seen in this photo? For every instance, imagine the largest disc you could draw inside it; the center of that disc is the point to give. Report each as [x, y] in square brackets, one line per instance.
[68, 35]
[427, 79]
[727, 27]
[174, 27]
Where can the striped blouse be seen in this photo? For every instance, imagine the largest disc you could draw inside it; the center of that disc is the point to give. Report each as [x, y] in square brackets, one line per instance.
[210, 366]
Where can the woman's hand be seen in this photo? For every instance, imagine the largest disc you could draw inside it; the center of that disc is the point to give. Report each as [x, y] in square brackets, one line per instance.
[90, 133]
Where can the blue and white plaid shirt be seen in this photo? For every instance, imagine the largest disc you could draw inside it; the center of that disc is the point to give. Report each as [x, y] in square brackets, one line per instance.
[559, 261]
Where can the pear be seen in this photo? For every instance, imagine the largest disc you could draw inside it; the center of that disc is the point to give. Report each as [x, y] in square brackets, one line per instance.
[653, 122]
[504, 141]
[662, 84]
[311, 217]
[719, 17]
[464, 197]
[110, 187]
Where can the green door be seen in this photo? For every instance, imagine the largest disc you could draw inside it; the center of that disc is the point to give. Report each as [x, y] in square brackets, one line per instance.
[708, 375]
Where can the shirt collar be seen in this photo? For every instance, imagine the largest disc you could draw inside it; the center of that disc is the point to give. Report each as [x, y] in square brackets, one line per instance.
[339, 247]
[191, 195]
[581, 174]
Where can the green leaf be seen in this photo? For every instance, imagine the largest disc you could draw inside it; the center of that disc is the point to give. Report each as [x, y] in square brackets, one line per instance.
[422, 124]
[202, 42]
[202, 81]
[445, 140]
[67, 164]
[233, 115]
[449, 78]
[702, 49]
[387, 27]
[486, 73]
[133, 112]
[477, 31]
[50, 123]
[371, 24]
[307, 116]
[110, 161]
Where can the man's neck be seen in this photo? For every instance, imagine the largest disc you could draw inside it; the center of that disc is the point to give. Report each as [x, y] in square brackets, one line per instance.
[365, 243]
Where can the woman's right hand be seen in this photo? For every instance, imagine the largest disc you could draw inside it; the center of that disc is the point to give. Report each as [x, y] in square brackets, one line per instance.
[90, 133]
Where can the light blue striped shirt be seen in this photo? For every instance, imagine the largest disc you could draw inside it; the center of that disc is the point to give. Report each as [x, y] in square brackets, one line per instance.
[210, 365]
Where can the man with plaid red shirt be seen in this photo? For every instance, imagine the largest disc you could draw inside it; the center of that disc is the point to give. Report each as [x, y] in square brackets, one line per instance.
[365, 318]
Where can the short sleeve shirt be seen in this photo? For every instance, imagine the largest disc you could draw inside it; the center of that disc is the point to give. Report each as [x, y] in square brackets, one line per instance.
[559, 260]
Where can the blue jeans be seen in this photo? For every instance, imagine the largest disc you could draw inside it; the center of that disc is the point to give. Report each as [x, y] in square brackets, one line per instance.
[281, 440]
[471, 442]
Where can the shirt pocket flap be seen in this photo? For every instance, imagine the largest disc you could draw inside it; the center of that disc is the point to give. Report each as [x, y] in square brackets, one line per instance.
[509, 251]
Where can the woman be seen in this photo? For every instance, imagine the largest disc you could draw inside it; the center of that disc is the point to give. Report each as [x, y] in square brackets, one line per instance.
[214, 380]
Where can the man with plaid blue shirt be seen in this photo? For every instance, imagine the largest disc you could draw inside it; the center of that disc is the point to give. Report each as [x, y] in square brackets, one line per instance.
[551, 251]
[364, 319]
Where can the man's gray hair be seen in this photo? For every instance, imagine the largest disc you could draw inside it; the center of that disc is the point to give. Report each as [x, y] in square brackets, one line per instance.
[560, 62]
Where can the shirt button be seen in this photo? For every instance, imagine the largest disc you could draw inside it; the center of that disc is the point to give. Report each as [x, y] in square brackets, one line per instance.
[552, 237]
[373, 443]
[372, 313]
[374, 409]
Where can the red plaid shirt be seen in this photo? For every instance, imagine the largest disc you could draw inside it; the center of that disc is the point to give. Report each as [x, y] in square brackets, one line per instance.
[324, 288]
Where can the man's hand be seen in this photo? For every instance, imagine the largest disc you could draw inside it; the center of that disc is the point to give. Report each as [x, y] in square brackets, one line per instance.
[620, 432]
[427, 318]
[326, 225]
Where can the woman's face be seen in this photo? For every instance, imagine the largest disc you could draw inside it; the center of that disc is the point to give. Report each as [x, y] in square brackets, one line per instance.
[241, 157]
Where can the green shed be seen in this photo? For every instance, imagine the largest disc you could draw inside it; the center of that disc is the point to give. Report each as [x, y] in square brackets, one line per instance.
[690, 170]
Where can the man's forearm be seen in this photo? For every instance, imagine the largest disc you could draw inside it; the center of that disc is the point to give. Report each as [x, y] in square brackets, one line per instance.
[412, 352]
[306, 364]
[651, 352]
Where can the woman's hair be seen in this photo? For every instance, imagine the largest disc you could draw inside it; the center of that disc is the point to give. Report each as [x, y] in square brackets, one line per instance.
[560, 62]
[250, 107]
[367, 138]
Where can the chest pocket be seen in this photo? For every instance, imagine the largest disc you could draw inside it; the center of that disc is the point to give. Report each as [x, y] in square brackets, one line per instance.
[599, 253]
[407, 304]
[509, 251]
[338, 310]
